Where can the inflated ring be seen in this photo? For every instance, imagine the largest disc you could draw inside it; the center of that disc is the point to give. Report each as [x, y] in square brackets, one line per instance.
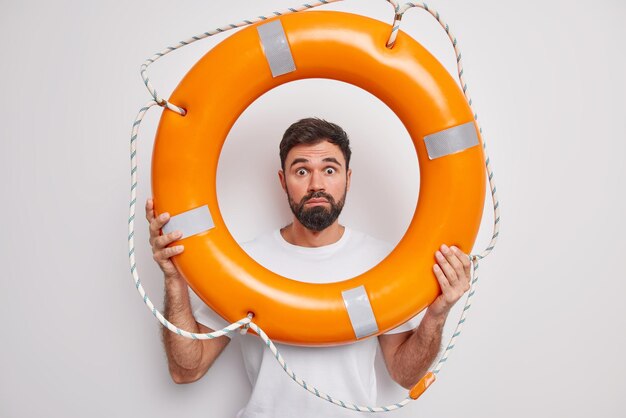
[343, 47]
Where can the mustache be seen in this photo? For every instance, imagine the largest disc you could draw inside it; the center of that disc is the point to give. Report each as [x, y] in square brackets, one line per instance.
[317, 195]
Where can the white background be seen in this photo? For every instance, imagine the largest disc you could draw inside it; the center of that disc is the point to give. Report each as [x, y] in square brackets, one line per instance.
[546, 332]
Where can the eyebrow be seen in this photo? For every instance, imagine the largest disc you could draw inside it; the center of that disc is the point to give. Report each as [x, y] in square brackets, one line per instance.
[304, 160]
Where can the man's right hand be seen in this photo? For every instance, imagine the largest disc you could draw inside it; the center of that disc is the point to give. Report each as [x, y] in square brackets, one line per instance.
[162, 254]
[188, 360]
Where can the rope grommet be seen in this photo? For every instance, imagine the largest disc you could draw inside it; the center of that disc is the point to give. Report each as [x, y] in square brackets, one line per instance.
[397, 19]
[245, 328]
[165, 104]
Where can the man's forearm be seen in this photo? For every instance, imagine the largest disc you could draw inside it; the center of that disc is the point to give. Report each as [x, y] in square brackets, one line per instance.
[414, 356]
[183, 352]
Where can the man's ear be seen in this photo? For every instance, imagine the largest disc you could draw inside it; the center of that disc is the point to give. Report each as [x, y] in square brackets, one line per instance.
[281, 177]
[348, 177]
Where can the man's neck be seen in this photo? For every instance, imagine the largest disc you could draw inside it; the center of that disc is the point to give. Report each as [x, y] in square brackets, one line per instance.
[296, 234]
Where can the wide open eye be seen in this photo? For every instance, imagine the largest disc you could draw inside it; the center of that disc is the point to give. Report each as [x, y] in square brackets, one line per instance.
[329, 170]
[301, 172]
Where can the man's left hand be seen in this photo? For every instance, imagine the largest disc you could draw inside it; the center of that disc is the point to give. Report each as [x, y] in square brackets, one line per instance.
[453, 271]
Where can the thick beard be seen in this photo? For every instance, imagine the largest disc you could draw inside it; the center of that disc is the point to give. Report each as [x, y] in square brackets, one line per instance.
[317, 218]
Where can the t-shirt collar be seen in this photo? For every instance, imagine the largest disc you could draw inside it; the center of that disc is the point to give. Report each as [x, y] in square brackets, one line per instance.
[323, 250]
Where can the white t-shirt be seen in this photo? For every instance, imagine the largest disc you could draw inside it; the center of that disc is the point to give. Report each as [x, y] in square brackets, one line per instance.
[345, 372]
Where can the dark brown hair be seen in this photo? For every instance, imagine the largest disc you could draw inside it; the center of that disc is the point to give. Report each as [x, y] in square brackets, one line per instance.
[311, 131]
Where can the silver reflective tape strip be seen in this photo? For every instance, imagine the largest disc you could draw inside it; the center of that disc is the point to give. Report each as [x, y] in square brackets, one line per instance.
[360, 311]
[190, 223]
[276, 48]
[451, 140]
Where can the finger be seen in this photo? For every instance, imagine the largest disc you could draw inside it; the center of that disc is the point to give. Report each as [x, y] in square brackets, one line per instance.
[166, 239]
[441, 278]
[149, 210]
[157, 224]
[446, 267]
[465, 260]
[163, 256]
[454, 261]
[172, 251]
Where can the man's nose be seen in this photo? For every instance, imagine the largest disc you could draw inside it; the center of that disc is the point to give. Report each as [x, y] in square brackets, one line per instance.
[316, 183]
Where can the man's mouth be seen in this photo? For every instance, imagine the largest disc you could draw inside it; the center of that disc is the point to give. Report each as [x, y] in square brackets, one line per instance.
[315, 201]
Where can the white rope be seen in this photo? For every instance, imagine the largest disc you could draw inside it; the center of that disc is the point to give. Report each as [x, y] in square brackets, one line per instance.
[131, 245]
[313, 389]
[475, 258]
[144, 67]
[246, 323]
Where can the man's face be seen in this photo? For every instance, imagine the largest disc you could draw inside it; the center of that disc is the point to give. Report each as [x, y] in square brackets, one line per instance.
[316, 182]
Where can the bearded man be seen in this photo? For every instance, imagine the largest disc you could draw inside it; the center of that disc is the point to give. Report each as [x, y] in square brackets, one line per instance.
[314, 247]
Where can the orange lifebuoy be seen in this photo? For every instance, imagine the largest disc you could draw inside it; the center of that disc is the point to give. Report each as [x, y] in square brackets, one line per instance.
[348, 48]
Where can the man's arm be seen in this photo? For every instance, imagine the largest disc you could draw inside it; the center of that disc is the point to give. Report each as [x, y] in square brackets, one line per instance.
[188, 360]
[408, 355]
